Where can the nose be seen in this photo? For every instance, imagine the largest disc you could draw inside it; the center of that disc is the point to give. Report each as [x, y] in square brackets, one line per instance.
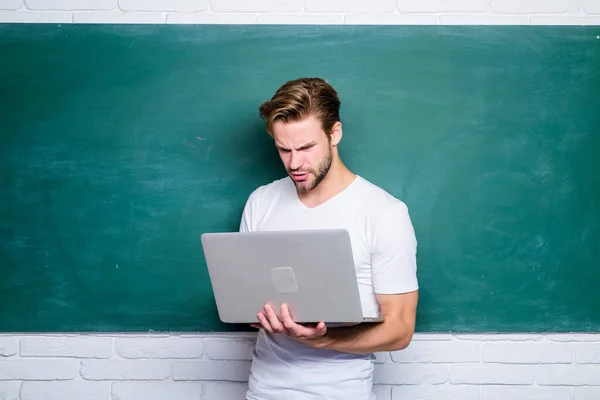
[295, 160]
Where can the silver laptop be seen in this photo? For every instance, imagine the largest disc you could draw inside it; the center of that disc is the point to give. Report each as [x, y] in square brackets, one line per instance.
[310, 270]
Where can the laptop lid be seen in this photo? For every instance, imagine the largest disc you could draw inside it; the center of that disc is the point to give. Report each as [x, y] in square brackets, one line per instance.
[311, 270]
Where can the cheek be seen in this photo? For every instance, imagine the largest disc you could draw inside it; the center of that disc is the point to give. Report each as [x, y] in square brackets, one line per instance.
[317, 158]
[285, 158]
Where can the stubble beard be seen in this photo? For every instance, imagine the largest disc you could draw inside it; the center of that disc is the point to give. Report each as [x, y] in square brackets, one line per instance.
[320, 174]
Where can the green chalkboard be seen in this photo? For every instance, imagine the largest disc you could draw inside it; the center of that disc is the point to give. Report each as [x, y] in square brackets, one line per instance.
[121, 145]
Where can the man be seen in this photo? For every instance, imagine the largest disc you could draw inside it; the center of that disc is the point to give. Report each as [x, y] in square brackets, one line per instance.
[297, 362]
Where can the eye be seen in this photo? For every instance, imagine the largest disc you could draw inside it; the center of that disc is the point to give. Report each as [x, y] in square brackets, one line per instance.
[307, 148]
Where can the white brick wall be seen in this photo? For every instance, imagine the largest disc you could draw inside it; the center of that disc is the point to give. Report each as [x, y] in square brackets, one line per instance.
[207, 367]
[409, 12]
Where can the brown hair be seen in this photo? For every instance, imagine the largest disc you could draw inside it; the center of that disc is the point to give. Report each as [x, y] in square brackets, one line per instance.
[299, 98]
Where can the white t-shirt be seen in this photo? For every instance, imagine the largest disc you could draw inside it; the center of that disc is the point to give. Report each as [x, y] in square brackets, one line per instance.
[384, 249]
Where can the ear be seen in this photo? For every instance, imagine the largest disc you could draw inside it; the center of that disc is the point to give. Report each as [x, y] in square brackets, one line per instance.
[336, 133]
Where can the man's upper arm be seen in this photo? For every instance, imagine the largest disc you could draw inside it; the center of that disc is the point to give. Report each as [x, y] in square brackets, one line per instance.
[394, 265]
[400, 308]
[247, 220]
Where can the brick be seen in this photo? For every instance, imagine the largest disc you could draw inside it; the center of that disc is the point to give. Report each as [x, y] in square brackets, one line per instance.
[483, 20]
[575, 375]
[487, 374]
[9, 346]
[438, 352]
[510, 337]
[57, 5]
[164, 5]
[99, 17]
[234, 371]
[591, 6]
[527, 353]
[435, 392]
[534, 6]
[229, 349]
[574, 337]
[300, 19]
[223, 336]
[525, 393]
[137, 335]
[156, 391]
[275, 6]
[200, 18]
[362, 6]
[587, 354]
[80, 347]
[78, 390]
[172, 347]
[35, 17]
[41, 370]
[119, 370]
[225, 390]
[436, 337]
[410, 374]
[586, 393]
[565, 21]
[10, 5]
[64, 335]
[392, 19]
[382, 392]
[442, 6]
[10, 390]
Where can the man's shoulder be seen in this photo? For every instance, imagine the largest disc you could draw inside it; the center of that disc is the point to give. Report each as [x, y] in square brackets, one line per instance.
[269, 191]
[376, 197]
[387, 215]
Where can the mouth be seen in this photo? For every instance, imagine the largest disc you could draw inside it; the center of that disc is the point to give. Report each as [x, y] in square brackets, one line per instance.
[300, 177]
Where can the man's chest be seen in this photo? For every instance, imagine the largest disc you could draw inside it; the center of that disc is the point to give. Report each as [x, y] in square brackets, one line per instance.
[299, 218]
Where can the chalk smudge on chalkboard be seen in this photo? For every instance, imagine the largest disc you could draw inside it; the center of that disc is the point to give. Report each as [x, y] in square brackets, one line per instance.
[189, 144]
[200, 138]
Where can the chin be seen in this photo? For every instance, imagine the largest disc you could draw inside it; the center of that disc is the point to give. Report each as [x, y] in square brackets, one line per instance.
[304, 187]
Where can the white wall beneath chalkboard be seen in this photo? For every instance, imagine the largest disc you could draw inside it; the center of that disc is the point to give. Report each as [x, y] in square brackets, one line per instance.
[429, 12]
[215, 367]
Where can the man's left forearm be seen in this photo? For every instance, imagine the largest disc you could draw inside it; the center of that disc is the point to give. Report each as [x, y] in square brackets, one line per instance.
[366, 338]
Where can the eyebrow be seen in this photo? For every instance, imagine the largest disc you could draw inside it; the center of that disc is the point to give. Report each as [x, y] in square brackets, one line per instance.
[303, 147]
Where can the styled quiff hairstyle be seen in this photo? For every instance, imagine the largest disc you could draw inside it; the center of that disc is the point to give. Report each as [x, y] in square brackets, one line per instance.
[299, 98]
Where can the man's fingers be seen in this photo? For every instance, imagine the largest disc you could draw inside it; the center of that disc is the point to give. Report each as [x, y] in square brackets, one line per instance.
[274, 321]
[298, 330]
[265, 322]
[271, 323]
[319, 330]
[289, 323]
[322, 328]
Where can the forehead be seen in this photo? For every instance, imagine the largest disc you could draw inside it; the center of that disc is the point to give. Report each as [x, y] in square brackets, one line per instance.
[295, 134]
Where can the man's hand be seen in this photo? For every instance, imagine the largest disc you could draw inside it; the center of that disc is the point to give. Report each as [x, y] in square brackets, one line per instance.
[272, 324]
[395, 333]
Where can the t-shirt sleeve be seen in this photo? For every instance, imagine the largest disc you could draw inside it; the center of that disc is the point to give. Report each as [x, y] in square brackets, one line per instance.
[246, 223]
[394, 265]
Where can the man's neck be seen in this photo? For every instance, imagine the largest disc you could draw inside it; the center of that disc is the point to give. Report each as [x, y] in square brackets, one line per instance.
[338, 178]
